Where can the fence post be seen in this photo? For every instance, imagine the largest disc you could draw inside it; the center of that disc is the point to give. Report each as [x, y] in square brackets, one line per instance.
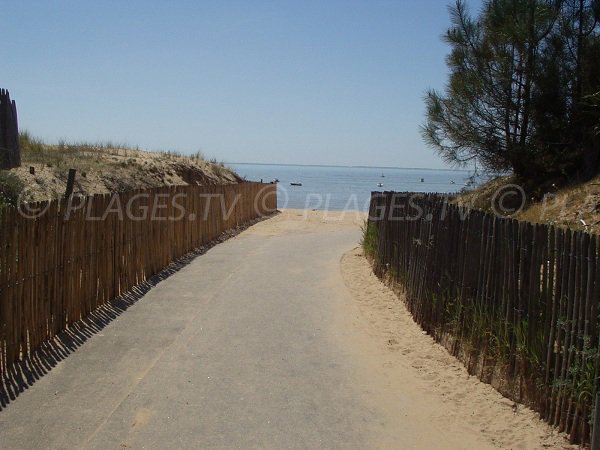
[10, 153]
[70, 183]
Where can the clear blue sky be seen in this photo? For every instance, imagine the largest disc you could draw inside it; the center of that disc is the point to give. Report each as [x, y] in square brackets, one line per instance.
[308, 82]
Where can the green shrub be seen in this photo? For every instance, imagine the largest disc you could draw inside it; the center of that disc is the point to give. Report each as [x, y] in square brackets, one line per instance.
[10, 188]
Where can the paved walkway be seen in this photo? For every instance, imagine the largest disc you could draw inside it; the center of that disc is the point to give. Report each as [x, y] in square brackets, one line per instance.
[230, 352]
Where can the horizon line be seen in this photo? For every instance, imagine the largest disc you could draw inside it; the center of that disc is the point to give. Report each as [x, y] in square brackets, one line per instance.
[342, 166]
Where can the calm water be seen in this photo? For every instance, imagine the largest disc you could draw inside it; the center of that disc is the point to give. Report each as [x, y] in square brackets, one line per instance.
[347, 188]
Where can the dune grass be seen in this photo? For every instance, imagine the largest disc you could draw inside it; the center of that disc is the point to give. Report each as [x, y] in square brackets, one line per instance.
[104, 167]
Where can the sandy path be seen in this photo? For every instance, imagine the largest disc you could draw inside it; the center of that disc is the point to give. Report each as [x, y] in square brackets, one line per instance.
[273, 339]
[411, 365]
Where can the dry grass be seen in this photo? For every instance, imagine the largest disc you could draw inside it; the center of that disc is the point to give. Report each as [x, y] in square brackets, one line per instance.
[481, 198]
[575, 206]
[109, 167]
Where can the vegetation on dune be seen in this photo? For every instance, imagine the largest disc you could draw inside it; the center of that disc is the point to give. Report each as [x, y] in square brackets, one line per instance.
[523, 93]
[575, 206]
[10, 188]
[102, 167]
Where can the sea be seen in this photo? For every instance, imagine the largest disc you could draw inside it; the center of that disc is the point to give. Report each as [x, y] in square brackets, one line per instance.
[334, 188]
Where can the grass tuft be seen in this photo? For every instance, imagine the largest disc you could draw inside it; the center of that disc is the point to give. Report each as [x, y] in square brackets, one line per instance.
[370, 239]
[11, 188]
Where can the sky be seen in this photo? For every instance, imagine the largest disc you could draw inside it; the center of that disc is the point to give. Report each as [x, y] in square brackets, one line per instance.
[337, 82]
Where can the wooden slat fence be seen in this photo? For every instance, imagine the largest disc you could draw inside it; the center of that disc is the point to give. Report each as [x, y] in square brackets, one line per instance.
[517, 302]
[81, 253]
[10, 154]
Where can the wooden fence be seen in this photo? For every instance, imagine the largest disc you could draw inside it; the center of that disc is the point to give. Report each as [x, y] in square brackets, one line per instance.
[10, 155]
[78, 254]
[517, 302]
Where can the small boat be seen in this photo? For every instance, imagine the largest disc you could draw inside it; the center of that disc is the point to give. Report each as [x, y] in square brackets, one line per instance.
[295, 183]
[379, 184]
[422, 180]
[452, 182]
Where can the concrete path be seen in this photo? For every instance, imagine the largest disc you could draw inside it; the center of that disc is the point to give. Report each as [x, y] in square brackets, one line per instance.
[249, 346]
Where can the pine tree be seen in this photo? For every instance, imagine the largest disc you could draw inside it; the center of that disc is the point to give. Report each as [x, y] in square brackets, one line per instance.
[519, 76]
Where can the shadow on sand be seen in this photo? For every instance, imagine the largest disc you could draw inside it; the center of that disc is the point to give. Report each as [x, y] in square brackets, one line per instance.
[23, 374]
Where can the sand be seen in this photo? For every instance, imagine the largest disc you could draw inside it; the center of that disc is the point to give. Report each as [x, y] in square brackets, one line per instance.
[106, 170]
[416, 368]
[307, 221]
